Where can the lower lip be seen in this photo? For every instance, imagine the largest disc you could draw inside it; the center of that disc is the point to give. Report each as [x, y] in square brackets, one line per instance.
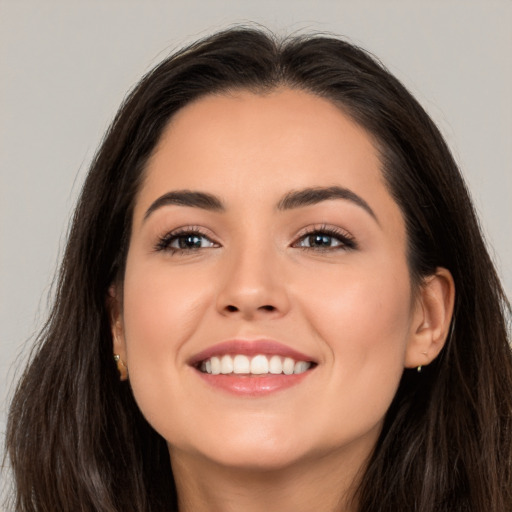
[253, 385]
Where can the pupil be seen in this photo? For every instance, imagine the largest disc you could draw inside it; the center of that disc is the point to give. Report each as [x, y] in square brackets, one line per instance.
[190, 242]
[320, 240]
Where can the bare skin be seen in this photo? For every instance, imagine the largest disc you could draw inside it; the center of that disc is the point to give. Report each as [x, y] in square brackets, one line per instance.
[326, 277]
[303, 487]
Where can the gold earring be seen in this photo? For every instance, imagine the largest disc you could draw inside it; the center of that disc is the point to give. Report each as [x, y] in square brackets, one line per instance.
[121, 367]
[418, 369]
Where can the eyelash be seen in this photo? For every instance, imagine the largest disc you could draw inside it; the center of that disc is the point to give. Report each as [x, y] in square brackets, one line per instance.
[347, 242]
[164, 242]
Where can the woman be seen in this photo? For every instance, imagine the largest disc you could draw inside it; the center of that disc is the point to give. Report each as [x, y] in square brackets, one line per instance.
[275, 295]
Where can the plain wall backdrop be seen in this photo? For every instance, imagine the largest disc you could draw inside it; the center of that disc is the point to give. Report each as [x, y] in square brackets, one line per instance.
[65, 67]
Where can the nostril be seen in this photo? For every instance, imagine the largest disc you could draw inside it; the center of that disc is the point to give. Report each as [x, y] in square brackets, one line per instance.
[267, 307]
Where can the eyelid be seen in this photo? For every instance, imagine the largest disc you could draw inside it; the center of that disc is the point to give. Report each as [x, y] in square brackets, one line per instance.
[348, 240]
[163, 242]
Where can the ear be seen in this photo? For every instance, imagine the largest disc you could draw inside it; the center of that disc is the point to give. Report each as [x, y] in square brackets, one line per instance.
[431, 319]
[117, 329]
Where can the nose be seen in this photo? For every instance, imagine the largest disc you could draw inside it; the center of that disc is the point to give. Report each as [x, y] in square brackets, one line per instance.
[253, 285]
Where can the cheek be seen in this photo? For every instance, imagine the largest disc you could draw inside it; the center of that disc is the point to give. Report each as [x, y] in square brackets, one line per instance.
[361, 308]
[161, 307]
[161, 311]
[363, 318]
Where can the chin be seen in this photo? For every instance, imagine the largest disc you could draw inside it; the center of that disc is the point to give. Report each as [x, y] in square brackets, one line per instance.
[257, 450]
[257, 458]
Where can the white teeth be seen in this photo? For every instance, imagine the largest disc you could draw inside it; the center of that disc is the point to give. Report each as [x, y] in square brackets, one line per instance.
[300, 367]
[288, 365]
[215, 362]
[275, 365]
[226, 364]
[241, 364]
[257, 365]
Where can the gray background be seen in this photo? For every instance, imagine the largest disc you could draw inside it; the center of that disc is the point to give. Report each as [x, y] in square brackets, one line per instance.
[65, 67]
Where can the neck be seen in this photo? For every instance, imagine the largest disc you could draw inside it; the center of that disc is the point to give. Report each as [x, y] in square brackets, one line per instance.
[326, 484]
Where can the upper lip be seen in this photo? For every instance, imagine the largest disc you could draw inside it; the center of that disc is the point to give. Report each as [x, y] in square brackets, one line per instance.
[250, 348]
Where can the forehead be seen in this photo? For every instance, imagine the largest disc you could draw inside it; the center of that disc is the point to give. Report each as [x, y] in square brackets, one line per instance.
[260, 146]
[276, 129]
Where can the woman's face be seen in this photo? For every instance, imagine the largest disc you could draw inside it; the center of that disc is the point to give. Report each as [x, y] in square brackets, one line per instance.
[264, 228]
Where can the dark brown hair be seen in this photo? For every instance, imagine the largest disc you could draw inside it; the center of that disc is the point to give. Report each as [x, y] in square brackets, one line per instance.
[76, 439]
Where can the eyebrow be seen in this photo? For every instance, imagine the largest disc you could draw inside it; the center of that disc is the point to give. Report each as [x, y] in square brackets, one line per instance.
[311, 196]
[292, 200]
[187, 198]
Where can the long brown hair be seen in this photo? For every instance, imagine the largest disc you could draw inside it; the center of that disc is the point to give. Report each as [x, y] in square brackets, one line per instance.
[76, 439]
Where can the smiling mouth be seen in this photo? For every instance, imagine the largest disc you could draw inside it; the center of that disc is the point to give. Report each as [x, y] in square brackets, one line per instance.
[252, 368]
[260, 364]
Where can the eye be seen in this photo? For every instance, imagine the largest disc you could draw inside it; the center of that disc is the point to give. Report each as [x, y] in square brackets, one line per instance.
[324, 239]
[187, 240]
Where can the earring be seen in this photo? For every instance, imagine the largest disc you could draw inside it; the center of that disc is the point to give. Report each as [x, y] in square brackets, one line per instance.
[418, 369]
[121, 367]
